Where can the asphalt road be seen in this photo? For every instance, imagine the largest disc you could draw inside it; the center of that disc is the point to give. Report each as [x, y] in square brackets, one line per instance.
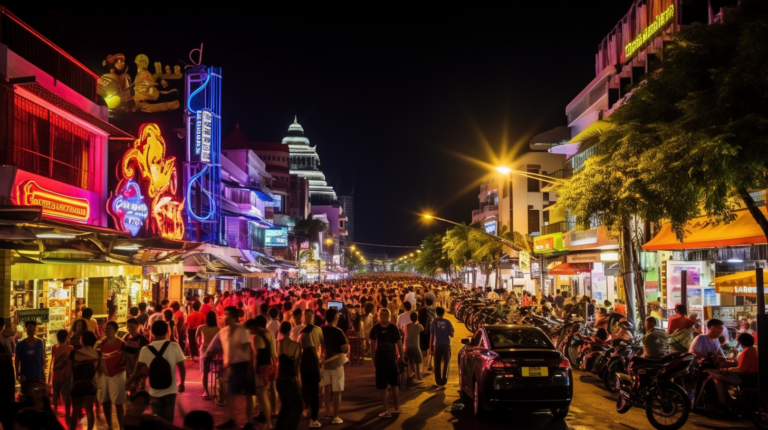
[425, 408]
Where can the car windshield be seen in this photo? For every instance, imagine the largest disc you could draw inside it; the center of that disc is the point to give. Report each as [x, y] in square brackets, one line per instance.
[518, 338]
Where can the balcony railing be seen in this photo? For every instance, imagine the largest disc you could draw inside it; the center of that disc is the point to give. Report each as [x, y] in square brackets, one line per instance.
[35, 48]
[561, 174]
[488, 208]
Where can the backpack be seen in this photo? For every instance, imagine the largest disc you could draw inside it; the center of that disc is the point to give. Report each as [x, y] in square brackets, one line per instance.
[160, 376]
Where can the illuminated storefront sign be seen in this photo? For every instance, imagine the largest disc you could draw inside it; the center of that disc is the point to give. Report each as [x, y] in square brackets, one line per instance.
[657, 25]
[128, 208]
[490, 227]
[54, 204]
[548, 243]
[276, 237]
[147, 166]
[203, 135]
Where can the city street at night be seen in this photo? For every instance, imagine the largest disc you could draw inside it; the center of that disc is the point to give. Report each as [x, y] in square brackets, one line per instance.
[284, 216]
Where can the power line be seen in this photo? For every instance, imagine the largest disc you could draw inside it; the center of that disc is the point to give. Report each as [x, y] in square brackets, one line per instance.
[382, 246]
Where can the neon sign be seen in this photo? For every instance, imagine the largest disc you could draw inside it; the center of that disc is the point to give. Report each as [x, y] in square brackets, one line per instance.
[661, 20]
[147, 166]
[54, 204]
[128, 208]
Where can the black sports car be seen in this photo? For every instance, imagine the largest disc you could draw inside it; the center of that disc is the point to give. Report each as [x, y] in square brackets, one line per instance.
[511, 366]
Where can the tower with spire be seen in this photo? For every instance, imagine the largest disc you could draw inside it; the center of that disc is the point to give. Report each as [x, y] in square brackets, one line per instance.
[305, 163]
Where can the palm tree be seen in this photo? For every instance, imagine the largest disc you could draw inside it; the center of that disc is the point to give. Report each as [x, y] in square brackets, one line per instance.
[488, 249]
[312, 228]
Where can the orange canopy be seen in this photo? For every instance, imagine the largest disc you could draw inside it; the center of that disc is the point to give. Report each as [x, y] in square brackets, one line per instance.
[703, 232]
[570, 269]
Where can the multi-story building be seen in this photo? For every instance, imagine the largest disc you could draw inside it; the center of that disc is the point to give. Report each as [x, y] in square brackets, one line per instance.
[54, 140]
[623, 59]
[305, 162]
[348, 204]
[300, 207]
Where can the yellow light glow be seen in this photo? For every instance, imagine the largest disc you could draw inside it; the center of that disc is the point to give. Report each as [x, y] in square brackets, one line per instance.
[418, 251]
[410, 255]
[504, 170]
[352, 247]
[428, 216]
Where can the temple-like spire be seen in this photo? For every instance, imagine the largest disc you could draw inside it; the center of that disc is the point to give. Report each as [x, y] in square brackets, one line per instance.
[295, 119]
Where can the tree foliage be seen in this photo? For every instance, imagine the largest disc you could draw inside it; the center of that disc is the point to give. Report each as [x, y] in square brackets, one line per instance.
[692, 136]
[432, 258]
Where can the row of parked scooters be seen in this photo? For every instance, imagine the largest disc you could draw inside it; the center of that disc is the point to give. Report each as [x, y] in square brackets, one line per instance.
[667, 388]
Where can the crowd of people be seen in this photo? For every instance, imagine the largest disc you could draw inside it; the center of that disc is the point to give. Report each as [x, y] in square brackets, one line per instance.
[281, 351]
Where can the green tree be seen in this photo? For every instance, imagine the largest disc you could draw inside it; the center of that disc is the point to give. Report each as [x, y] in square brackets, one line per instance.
[432, 258]
[353, 262]
[689, 140]
[457, 247]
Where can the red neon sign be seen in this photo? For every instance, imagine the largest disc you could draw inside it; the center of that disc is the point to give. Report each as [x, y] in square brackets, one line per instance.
[147, 164]
[54, 204]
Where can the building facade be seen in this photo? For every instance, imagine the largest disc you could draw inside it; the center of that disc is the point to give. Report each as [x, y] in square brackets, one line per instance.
[305, 163]
[348, 205]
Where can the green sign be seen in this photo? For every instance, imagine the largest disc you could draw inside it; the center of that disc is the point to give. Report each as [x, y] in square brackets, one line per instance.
[39, 315]
[549, 243]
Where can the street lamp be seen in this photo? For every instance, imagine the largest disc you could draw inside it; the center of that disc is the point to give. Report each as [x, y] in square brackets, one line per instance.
[353, 247]
[504, 170]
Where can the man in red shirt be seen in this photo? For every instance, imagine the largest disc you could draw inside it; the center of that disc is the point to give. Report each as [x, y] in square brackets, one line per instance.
[112, 381]
[194, 320]
[748, 365]
[620, 307]
[680, 321]
[178, 315]
[206, 306]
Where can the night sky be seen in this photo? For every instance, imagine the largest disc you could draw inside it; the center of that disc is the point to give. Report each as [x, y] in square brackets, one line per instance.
[388, 95]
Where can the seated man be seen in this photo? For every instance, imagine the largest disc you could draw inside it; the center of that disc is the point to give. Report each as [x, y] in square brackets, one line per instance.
[732, 375]
[704, 346]
[655, 341]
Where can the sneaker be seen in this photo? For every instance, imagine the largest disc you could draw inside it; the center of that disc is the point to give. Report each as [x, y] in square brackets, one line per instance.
[314, 424]
[227, 425]
[337, 420]
[385, 414]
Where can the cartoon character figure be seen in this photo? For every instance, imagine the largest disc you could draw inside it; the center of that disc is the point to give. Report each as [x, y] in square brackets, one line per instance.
[114, 87]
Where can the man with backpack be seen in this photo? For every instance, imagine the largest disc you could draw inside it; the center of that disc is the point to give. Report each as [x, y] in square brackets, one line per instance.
[160, 359]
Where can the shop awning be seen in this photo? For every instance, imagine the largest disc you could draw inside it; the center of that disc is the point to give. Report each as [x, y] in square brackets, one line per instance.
[570, 269]
[703, 232]
[740, 284]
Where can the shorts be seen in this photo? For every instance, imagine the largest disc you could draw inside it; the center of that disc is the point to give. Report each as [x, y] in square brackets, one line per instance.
[112, 389]
[265, 375]
[424, 342]
[414, 355]
[386, 376]
[240, 380]
[334, 378]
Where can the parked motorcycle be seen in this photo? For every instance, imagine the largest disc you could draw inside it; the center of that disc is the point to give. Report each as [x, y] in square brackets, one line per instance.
[649, 384]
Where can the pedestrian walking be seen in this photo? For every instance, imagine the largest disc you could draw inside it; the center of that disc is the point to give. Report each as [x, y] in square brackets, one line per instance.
[159, 360]
[335, 351]
[61, 373]
[194, 320]
[203, 337]
[265, 352]
[85, 362]
[238, 362]
[413, 332]
[30, 355]
[311, 340]
[134, 340]
[287, 384]
[111, 389]
[426, 316]
[387, 346]
[441, 334]
[7, 349]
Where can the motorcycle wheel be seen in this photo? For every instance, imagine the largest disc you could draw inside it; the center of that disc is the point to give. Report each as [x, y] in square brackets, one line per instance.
[669, 409]
[573, 356]
[623, 405]
[758, 414]
[609, 378]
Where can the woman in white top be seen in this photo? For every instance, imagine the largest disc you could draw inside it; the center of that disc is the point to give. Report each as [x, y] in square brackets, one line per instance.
[204, 334]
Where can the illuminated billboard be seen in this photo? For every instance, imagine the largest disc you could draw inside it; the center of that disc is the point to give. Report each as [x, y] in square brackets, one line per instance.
[146, 168]
[491, 227]
[276, 237]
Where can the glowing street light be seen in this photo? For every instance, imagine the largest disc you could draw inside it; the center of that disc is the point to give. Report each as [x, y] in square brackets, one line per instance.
[353, 247]
[504, 170]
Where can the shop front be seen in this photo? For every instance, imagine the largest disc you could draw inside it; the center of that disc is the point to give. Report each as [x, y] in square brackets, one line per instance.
[738, 293]
[56, 294]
